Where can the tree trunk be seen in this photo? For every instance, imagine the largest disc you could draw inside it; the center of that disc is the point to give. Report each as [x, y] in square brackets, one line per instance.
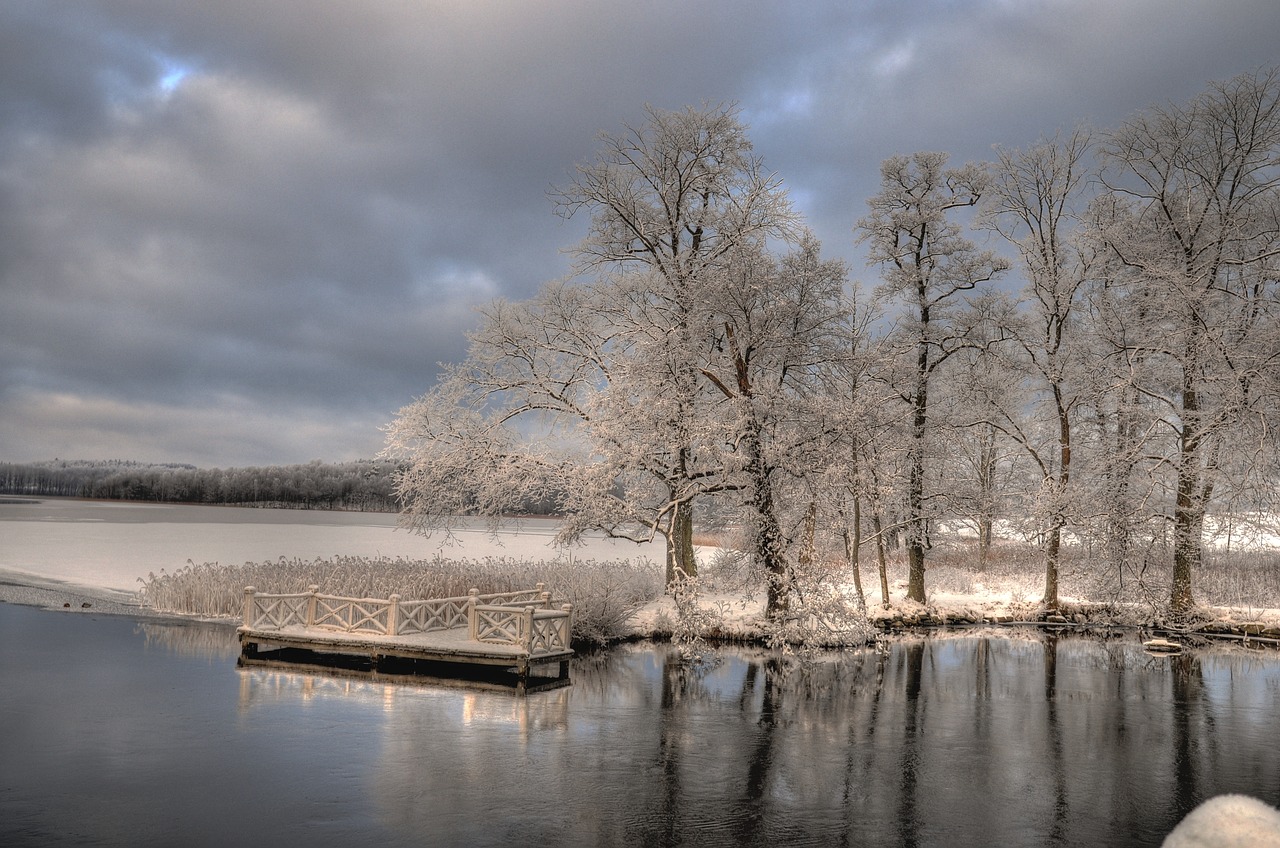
[853, 551]
[1052, 548]
[916, 531]
[1188, 511]
[986, 493]
[680, 557]
[769, 539]
[878, 526]
[1188, 530]
[915, 571]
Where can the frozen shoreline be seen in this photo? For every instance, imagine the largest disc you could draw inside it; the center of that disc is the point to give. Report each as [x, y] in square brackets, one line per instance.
[33, 590]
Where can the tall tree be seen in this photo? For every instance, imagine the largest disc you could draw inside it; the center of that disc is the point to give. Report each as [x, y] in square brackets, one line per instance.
[927, 265]
[601, 386]
[1197, 232]
[1034, 201]
[780, 335]
[672, 202]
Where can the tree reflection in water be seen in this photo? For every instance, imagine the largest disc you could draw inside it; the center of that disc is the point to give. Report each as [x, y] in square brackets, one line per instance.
[991, 738]
[945, 740]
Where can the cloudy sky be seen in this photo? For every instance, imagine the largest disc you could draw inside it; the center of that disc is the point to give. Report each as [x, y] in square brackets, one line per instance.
[245, 232]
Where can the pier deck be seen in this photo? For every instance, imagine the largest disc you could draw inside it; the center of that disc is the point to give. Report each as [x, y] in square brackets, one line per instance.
[512, 630]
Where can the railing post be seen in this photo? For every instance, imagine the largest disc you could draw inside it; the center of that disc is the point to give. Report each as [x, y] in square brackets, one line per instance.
[527, 624]
[568, 624]
[248, 606]
[545, 597]
[472, 599]
[393, 615]
[311, 605]
[541, 589]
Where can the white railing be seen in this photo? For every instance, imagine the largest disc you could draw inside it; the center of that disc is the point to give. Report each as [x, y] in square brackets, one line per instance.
[537, 631]
[524, 618]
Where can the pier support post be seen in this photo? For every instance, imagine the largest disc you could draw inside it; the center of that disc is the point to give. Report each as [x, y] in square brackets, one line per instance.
[393, 615]
[526, 634]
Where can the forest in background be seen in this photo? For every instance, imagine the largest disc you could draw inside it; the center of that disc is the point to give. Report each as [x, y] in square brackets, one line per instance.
[362, 485]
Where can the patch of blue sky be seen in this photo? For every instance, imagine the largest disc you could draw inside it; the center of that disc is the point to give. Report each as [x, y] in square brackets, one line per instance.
[172, 74]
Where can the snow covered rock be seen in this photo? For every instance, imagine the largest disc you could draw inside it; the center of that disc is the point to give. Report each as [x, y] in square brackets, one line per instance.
[1228, 821]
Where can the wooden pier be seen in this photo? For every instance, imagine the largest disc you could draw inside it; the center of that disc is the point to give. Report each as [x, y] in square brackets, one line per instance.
[505, 630]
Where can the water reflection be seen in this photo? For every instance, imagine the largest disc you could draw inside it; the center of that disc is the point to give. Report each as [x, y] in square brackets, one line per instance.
[200, 640]
[1044, 739]
[266, 688]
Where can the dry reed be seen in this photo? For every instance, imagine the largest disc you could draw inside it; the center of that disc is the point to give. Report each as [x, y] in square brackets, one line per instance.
[604, 593]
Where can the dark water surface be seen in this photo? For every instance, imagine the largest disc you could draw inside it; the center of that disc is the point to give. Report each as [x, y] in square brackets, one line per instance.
[119, 732]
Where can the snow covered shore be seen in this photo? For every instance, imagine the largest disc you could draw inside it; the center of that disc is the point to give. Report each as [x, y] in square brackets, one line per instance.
[737, 617]
[49, 593]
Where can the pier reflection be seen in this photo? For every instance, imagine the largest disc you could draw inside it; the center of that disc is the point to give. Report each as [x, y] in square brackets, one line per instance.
[466, 705]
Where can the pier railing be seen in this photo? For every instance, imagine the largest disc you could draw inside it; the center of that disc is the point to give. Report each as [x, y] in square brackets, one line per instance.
[525, 618]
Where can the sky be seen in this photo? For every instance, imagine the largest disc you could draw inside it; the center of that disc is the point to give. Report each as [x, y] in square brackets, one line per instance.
[243, 233]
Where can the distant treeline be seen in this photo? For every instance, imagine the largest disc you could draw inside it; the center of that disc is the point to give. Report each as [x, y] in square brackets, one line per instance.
[362, 485]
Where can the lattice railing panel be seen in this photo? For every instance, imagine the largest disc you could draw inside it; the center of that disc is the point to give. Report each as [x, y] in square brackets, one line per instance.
[353, 615]
[279, 611]
[500, 625]
[424, 616]
[550, 633]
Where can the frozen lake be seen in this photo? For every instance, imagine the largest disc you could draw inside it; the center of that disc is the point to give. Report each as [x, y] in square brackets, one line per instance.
[111, 544]
[118, 732]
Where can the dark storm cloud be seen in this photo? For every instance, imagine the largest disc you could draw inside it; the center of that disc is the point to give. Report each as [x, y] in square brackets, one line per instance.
[245, 232]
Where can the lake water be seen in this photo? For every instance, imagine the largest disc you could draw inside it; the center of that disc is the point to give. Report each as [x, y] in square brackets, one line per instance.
[115, 732]
[112, 544]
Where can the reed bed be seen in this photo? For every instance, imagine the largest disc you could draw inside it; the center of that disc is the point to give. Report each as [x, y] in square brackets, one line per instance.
[604, 593]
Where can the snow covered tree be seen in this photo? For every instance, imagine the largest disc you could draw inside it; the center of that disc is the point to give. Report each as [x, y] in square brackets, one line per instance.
[675, 205]
[781, 335]
[1196, 231]
[927, 265]
[1033, 201]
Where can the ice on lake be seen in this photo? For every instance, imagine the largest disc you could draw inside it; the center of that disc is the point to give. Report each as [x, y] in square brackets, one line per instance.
[113, 544]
